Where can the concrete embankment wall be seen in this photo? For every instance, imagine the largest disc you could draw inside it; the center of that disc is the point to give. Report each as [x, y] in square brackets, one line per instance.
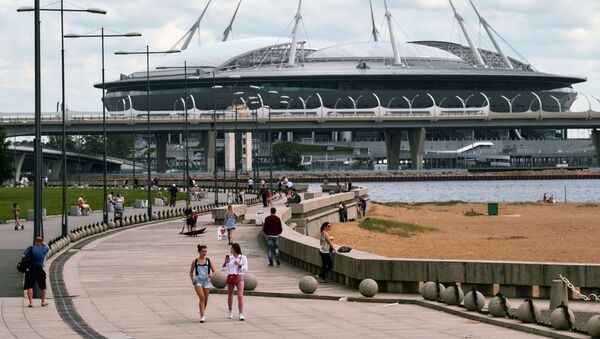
[515, 279]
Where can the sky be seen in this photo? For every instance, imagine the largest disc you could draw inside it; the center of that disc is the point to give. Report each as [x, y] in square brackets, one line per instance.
[555, 36]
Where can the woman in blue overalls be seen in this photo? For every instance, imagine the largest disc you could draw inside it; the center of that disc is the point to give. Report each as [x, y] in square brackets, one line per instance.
[229, 224]
[201, 271]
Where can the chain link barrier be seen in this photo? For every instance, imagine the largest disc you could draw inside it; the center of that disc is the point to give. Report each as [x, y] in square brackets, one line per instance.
[591, 297]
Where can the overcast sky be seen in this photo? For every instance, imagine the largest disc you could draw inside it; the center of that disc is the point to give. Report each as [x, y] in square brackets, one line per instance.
[556, 36]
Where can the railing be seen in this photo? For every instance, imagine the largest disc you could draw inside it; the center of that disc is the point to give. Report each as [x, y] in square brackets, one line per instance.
[319, 114]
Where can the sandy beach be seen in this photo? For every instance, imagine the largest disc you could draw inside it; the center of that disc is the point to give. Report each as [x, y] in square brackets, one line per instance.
[521, 232]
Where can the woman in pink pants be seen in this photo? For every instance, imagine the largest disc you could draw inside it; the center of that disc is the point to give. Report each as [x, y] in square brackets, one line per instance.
[236, 266]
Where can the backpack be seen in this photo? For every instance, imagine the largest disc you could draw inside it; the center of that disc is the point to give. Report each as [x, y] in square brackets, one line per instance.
[26, 263]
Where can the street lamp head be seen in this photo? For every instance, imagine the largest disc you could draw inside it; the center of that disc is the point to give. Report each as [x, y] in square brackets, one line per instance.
[25, 9]
[119, 52]
[273, 92]
[284, 102]
[285, 97]
[172, 50]
[132, 34]
[96, 10]
[238, 93]
[71, 35]
[253, 98]
[255, 87]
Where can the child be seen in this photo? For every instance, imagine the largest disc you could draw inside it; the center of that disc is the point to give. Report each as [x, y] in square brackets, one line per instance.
[17, 213]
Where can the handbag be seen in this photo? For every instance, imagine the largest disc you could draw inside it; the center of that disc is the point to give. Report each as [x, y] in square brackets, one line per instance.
[26, 263]
[233, 279]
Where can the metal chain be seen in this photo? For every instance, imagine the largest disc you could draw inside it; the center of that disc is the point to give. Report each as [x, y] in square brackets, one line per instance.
[591, 297]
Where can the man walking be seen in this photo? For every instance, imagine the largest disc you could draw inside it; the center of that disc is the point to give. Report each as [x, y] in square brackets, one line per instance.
[173, 191]
[36, 273]
[272, 229]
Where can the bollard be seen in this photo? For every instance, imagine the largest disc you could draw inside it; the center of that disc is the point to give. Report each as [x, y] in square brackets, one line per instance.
[368, 288]
[593, 326]
[558, 294]
[562, 318]
[308, 284]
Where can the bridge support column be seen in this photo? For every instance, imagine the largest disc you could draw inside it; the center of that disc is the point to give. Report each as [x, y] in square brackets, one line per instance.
[18, 165]
[596, 141]
[162, 139]
[334, 136]
[347, 136]
[416, 141]
[229, 152]
[393, 139]
[210, 148]
[247, 166]
[290, 136]
[55, 166]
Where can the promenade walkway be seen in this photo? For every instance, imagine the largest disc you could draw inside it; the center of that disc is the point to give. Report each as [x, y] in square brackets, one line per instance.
[134, 284]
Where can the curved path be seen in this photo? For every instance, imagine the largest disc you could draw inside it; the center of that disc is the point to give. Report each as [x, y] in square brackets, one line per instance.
[135, 283]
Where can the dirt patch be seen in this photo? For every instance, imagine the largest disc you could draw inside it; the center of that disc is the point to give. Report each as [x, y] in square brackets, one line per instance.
[522, 232]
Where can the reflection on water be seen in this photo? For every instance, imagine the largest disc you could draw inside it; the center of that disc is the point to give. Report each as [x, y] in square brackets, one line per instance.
[481, 191]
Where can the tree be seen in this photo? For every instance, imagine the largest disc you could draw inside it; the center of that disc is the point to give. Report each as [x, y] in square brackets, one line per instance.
[55, 142]
[287, 155]
[6, 163]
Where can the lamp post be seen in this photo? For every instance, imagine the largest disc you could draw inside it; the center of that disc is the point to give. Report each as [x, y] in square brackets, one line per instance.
[38, 227]
[236, 94]
[102, 36]
[214, 130]
[147, 52]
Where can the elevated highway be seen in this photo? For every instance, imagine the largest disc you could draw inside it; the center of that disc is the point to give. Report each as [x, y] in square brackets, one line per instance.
[392, 121]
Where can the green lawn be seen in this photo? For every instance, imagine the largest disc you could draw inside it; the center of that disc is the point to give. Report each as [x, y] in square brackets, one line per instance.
[52, 199]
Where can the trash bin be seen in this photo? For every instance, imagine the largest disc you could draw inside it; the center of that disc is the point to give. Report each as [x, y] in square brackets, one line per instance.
[260, 218]
[492, 208]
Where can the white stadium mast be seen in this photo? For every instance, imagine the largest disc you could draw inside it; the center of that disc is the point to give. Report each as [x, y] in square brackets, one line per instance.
[488, 29]
[227, 31]
[295, 32]
[190, 33]
[375, 32]
[474, 49]
[388, 16]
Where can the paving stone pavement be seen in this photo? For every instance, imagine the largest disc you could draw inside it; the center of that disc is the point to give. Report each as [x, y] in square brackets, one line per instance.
[135, 284]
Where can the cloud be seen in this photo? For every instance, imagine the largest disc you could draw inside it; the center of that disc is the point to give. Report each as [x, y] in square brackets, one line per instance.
[557, 36]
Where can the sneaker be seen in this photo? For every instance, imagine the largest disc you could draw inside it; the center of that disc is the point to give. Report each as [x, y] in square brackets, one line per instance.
[242, 317]
[270, 264]
[202, 319]
[278, 262]
[230, 316]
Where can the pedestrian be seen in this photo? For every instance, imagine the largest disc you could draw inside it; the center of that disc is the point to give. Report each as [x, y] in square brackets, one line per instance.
[343, 211]
[16, 210]
[269, 197]
[162, 199]
[294, 198]
[236, 265]
[36, 274]
[250, 185]
[242, 197]
[230, 226]
[280, 188]
[229, 199]
[264, 196]
[362, 203]
[83, 205]
[326, 251]
[119, 207]
[201, 272]
[173, 192]
[136, 183]
[272, 229]
[191, 218]
[110, 198]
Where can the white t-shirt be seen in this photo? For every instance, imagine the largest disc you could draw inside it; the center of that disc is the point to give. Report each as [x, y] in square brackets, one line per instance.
[233, 268]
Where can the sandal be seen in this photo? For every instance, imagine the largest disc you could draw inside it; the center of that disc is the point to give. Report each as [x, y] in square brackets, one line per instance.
[45, 304]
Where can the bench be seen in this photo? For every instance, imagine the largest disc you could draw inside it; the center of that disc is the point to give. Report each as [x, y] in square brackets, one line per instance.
[141, 203]
[75, 211]
[30, 215]
[218, 214]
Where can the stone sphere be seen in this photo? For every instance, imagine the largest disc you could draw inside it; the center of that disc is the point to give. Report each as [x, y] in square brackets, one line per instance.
[429, 291]
[67, 239]
[135, 219]
[250, 282]
[368, 287]
[308, 284]
[73, 236]
[524, 314]
[558, 319]
[449, 296]
[219, 280]
[145, 218]
[495, 307]
[125, 222]
[593, 326]
[154, 216]
[470, 303]
[111, 225]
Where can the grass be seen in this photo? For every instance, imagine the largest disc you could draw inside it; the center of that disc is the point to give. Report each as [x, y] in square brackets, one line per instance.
[405, 230]
[52, 199]
[588, 205]
[472, 213]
